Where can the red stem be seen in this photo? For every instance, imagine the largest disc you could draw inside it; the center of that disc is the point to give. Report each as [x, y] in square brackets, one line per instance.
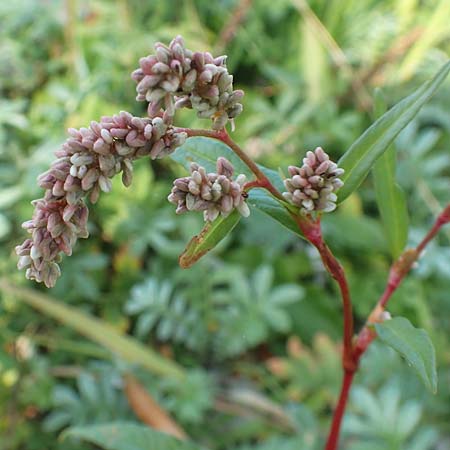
[333, 437]
[398, 271]
[396, 275]
[223, 136]
[442, 219]
[255, 184]
[311, 230]
[337, 272]
[313, 233]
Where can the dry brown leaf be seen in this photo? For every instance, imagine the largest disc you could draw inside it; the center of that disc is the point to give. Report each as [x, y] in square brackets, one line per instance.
[148, 411]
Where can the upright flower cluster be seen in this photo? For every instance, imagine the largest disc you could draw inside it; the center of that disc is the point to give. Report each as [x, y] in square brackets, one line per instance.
[86, 163]
[175, 77]
[313, 186]
[212, 193]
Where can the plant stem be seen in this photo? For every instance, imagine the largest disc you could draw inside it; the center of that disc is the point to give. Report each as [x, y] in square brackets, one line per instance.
[254, 184]
[442, 219]
[397, 273]
[311, 229]
[337, 272]
[333, 437]
[223, 136]
[313, 232]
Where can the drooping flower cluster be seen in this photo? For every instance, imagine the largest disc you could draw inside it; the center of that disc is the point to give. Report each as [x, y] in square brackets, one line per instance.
[86, 163]
[212, 193]
[313, 186]
[175, 77]
[172, 78]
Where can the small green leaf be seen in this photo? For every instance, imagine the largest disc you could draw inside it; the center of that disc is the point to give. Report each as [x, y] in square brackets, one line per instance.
[414, 345]
[96, 330]
[361, 156]
[209, 237]
[390, 197]
[127, 436]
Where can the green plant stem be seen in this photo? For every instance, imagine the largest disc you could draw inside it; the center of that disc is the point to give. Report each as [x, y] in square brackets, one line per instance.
[223, 136]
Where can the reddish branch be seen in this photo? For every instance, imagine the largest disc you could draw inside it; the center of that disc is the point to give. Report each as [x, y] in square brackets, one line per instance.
[353, 348]
[396, 275]
[223, 136]
[333, 437]
[312, 231]
[398, 271]
[310, 228]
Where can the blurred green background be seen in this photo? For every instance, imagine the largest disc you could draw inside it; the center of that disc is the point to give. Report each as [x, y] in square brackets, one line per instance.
[256, 324]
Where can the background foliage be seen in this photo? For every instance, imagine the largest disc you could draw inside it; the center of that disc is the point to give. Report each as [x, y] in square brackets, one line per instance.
[255, 324]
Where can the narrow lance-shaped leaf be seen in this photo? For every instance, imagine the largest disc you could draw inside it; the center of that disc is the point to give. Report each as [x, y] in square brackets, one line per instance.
[96, 330]
[414, 345]
[390, 197]
[361, 156]
[211, 234]
[205, 152]
[127, 436]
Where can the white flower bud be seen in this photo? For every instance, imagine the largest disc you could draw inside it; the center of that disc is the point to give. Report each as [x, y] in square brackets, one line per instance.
[313, 186]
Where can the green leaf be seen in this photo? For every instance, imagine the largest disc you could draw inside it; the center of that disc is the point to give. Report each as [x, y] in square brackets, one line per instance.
[205, 151]
[5, 226]
[273, 208]
[211, 234]
[414, 345]
[286, 294]
[361, 156]
[127, 436]
[279, 319]
[390, 197]
[96, 330]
